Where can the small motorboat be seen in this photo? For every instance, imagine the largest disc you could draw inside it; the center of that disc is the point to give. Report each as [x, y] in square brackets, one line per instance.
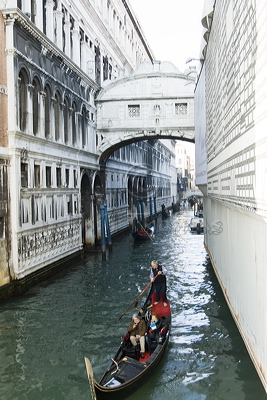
[197, 224]
[127, 369]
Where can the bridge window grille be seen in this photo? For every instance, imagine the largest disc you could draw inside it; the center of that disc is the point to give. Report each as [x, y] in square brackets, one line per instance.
[134, 111]
[180, 108]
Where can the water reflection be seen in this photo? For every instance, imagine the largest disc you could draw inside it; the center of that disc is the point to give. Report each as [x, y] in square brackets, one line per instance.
[45, 334]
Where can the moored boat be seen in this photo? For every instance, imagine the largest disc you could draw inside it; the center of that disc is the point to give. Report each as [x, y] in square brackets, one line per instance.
[127, 369]
[197, 224]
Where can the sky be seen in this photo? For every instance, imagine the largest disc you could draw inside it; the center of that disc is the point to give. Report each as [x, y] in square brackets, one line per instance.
[172, 27]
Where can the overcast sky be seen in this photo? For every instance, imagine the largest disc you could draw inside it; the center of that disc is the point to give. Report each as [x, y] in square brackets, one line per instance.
[172, 27]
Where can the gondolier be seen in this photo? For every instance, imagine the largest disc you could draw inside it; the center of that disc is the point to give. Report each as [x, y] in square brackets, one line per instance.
[158, 277]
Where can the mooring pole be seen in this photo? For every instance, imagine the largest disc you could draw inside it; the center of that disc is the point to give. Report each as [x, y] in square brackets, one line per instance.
[138, 210]
[142, 212]
[150, 207]
[155, 206]
[103, 235]
[107, 226]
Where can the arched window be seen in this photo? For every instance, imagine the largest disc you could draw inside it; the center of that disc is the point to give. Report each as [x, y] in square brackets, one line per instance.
[23, 82]
[66, 120]
[57, 116]
[35, 105]
[73, 122]
[47, 112]
[83, 127]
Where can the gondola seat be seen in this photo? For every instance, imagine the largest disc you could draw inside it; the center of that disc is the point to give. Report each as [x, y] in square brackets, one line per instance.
[129, 350]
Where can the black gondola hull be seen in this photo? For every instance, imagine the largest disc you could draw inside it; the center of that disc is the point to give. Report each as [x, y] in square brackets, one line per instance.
[126, 374]
[124, 390]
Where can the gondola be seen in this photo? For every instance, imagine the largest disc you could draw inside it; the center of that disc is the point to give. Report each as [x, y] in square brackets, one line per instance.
[127, 370]
[141, 235]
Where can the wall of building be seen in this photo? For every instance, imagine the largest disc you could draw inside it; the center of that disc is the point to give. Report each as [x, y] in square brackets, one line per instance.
[58, 55]
[235, 205]
[4, 165]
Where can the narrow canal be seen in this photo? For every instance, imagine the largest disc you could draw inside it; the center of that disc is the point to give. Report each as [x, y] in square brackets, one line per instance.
[45, 334]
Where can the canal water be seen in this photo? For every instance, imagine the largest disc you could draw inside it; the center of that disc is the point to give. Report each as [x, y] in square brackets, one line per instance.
[45, 334]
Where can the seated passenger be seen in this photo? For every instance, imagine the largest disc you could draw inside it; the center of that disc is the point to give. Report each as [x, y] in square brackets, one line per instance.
[154, 329]
[137, 330]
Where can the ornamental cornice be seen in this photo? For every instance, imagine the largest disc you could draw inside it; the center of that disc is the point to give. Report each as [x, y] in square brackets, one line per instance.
[12, 15]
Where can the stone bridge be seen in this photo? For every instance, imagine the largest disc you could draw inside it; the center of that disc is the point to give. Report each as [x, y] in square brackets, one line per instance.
[156, 102]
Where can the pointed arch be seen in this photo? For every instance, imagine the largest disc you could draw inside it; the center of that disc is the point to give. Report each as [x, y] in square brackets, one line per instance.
[47, 111]
[23, 99]
[57, 115]
[36, 105]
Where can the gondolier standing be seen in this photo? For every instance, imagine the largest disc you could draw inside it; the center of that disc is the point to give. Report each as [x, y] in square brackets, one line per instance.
[158, 277]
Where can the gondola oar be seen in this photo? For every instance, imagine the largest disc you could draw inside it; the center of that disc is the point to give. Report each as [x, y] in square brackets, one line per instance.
[145, 231]
[140, 294]
[90, 375]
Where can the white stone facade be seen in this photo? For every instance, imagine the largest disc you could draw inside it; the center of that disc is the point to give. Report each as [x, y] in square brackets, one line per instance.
[58, 54]
[56, 57]
[235, 203]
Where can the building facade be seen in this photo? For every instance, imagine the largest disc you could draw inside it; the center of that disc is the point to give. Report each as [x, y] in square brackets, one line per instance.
[55, 57]
[231, 165]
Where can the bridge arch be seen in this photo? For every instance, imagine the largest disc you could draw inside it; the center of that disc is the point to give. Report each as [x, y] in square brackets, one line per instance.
[155, 102]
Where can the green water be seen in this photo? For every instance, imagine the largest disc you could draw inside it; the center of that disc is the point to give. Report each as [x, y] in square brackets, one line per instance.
[45, 334]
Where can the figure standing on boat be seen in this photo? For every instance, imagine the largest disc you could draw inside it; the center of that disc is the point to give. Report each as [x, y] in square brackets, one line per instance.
[158, 277]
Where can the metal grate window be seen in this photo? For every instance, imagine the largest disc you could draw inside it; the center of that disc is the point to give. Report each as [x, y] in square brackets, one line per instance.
[134, 111]
[180, 108]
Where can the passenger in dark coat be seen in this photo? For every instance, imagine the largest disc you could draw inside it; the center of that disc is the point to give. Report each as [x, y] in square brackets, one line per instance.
[154, 329]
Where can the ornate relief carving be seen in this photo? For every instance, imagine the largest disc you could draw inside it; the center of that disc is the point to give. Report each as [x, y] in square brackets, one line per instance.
[44, 244]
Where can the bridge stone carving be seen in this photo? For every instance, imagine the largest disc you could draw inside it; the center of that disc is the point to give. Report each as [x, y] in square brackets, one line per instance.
[156, 102]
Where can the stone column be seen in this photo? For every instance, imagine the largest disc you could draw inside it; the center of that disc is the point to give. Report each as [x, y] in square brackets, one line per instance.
[26, 7]
[41, 122]
[49, 19]
[12, 117]
[84, 58]
[67, 34]
[52, 118]
[70, 125]
[76, 44]
[58, 18]
[10, 3]
[39, 15]
[29, 114]
[78, 130]
[61, 138]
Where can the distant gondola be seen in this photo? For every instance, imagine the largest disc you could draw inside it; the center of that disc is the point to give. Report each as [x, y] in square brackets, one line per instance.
[143, 234]
[165, 212]
[127, 370]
